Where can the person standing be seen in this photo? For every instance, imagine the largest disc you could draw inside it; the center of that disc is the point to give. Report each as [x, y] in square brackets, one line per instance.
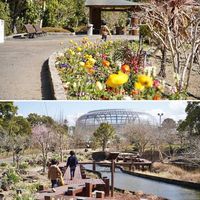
[54, 173]
[72, 163]
[104, 31]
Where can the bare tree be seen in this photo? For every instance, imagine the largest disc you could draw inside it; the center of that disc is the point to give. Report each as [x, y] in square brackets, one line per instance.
[175, 24]
[140, 135]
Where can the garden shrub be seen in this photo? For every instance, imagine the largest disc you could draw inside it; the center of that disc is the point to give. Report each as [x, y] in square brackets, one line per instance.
[145, 32]
[3, 164]
[12, 176]
[5, 15]
[23, 165]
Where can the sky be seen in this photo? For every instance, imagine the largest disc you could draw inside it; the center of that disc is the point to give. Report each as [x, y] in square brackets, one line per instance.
[71, 110]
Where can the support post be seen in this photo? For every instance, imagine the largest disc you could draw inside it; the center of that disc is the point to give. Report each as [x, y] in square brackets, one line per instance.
[107, 186]
[112, 177]
[88, 189]
[94, 166]
[2, 31]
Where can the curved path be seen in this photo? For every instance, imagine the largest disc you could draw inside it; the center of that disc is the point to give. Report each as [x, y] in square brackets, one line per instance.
[23, 66]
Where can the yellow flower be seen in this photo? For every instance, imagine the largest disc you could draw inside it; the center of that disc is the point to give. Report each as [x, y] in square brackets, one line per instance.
[82, 64]
[87, 56]
[145, 80]
[138, 86]
[79, 49]
[99, 86]
[88, 65]
[71, 52]
[116, 80]
[92, 61]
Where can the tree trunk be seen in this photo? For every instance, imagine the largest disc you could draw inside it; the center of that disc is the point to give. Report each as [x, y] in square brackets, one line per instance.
[14, 158]
[162, 72]
[103, 146]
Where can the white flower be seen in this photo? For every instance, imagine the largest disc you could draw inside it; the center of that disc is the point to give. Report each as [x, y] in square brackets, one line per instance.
[127, 98]
[118, 63]
[60, 54]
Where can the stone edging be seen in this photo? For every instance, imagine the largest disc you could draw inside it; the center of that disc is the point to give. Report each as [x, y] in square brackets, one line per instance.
[57, 87]
[166, 180]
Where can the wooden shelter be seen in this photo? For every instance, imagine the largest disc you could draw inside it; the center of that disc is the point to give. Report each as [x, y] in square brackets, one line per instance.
[97, 6]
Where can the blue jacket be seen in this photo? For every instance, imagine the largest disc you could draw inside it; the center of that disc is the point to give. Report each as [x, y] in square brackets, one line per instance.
[72, 161]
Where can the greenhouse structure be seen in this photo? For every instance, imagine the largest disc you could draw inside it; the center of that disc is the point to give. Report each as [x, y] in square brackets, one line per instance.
[118, 118]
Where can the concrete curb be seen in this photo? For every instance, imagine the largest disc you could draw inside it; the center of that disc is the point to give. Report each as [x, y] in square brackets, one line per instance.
[57, 86]
[186, 184]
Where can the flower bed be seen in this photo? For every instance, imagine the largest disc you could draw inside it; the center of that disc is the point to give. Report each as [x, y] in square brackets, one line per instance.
[108, 71]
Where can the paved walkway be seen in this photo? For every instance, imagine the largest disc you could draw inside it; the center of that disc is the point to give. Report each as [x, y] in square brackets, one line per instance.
[23, 66]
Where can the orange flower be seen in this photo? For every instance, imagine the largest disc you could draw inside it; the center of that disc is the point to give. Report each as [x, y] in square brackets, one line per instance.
[106, 63]
[157, 97]
[91, 70]
[134, 92]
[125, 68]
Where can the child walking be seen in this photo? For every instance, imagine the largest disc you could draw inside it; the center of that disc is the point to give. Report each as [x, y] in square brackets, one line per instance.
[72, 163]
[104, 31]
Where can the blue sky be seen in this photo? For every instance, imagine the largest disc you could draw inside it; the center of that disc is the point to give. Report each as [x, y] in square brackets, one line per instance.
[73, 109]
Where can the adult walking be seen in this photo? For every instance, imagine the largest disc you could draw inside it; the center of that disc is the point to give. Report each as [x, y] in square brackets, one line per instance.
[54, 173]
[72, 163]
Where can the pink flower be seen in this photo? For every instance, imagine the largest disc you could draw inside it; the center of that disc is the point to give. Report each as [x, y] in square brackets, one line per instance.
[156, 83]
[104, 56]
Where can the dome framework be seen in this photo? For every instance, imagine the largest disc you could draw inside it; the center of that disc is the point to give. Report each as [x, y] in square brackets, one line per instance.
[118, 118]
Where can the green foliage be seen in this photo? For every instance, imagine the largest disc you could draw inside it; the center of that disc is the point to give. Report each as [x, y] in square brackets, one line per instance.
[11, 177]
[7, 110]
[35, 119]
[63, 13]
[103, 134]
[3, 164]
[5, 15]
[33, 12]
[59, 13]
[192, 121]
[23, 165]
[145, 32]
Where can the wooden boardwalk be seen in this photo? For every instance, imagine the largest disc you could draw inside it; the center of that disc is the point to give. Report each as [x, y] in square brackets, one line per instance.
[77, 183]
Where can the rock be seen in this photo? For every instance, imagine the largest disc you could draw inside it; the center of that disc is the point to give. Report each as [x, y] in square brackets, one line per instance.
[5, 187]
[2, 197]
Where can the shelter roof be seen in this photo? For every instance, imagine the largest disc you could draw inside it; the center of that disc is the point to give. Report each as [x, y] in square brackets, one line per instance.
[111, 3]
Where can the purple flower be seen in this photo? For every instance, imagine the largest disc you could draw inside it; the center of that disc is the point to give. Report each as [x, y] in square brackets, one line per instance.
[64, 65]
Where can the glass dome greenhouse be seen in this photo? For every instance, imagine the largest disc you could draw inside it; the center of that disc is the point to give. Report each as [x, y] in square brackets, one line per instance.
[118, 118]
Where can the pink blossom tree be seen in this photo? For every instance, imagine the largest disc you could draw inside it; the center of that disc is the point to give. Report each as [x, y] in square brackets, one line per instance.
[43, 137]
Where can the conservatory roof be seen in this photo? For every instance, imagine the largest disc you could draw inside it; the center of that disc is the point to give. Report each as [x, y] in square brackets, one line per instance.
[112, 3]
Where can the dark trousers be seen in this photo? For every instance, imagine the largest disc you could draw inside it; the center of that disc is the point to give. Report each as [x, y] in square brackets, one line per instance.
[104, 37]
[54, 183]
[72, 171]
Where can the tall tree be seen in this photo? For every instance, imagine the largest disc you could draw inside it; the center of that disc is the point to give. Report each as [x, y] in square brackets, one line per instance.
[191, 125]
[192, 121]
[103, 134]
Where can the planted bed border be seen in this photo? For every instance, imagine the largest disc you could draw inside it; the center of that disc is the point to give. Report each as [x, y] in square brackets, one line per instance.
[57, 86]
